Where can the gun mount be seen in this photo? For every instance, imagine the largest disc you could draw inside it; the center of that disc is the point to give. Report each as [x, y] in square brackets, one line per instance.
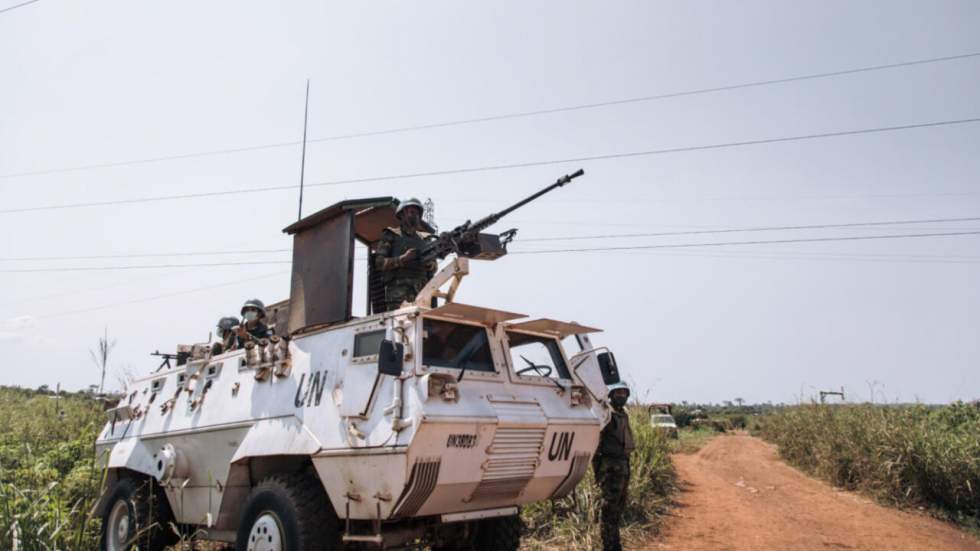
[466, 240]
[323, 255]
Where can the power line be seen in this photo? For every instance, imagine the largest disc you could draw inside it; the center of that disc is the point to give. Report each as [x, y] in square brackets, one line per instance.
[542, 251]
[21, 5]
[751, 229]
[144, 255]
[148, 266]
[160, 297]
[537, 239]
[759, 255]
[510, 166]
[912, 259]
[759, 242]
[490, 118]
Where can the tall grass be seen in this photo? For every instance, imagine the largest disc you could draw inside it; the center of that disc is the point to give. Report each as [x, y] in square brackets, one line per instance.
[48, 480]
[573, 522]
[904, 455]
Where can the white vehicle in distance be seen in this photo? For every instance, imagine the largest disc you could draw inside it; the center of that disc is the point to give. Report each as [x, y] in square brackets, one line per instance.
[662, 420]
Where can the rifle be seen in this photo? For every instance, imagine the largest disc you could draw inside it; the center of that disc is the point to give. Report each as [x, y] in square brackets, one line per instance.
[466, 239]
[180, 356]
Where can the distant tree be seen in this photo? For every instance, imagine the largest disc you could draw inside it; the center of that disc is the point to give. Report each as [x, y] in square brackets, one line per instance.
[100, 357]
[739, 401]
[44, 389]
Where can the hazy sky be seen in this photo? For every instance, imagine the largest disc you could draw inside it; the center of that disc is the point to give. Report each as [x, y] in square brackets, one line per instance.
[89, 83]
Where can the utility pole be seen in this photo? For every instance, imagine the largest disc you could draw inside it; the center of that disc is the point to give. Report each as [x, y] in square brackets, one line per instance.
[302, 162]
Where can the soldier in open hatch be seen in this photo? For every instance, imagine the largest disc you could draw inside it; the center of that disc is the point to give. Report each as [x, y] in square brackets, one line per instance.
[402, 273]
[226, 336]
[252, 327]
[611, 466]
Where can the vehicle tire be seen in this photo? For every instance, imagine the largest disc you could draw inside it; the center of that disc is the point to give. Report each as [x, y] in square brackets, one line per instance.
[288, 513]
[498, 534]
[137, 514]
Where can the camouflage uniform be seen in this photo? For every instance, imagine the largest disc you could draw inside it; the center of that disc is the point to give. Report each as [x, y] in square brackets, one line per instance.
[259, 331]
[402, 282]
[611, 466]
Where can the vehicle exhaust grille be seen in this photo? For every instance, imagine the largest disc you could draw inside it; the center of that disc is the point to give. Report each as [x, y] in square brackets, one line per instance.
[580, 464]
[425, 475]
[513, 458]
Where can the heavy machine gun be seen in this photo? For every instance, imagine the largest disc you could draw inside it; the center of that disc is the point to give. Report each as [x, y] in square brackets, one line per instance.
[466, 240]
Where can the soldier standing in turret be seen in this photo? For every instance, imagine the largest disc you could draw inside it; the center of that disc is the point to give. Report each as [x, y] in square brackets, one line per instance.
[253, 326]
[611, 466]
[403, 274]
[227, 339]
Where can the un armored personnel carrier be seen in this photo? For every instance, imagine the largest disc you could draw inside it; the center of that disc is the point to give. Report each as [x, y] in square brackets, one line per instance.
[391, 430]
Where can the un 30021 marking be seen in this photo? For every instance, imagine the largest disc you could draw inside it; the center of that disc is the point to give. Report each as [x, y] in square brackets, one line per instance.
[461, 441]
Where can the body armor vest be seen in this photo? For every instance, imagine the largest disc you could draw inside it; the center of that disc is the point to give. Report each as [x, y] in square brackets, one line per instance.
[616, 440]
[413, 272]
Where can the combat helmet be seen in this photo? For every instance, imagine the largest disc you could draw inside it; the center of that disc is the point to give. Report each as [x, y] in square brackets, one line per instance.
[616, 386]
[412, 202]
[226, 323]
[254, 303]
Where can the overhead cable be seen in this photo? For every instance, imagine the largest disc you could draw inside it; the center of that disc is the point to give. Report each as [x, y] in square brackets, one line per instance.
[536, 239]
[163, 296]
[490, 118]
[15, 6]
[541, 251]
[752, 229]
[509, 166]
[759, 242]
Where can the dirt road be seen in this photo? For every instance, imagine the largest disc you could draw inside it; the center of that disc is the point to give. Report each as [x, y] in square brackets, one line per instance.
[736, 494]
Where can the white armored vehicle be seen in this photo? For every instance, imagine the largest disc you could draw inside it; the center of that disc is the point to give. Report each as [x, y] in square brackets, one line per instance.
[397, 429]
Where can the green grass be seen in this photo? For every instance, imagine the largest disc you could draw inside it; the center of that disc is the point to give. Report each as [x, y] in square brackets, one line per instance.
[901, 455]
[49, 483]
[48, 480]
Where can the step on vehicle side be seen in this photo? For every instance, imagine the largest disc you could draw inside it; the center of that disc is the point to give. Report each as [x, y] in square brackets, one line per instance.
[356, 432]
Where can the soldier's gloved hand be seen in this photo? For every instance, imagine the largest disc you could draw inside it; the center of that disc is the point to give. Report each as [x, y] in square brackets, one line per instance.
[408, 256]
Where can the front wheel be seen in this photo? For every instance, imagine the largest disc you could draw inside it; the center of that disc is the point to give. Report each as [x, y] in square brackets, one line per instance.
[137, 515]
[288, 513]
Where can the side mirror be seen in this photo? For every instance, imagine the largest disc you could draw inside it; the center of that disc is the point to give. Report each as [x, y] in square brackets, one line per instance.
[607, 365]
[391, 358]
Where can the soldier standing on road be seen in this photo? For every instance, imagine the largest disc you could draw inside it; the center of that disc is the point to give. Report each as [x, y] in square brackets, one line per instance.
[403, 274]
[252, 327]
[611, 466]
[226, 336]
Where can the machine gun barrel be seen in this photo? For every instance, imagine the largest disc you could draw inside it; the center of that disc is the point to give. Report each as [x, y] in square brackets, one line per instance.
[460, 239]
[488, 221]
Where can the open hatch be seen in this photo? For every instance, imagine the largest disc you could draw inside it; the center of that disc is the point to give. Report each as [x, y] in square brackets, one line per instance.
[322, 286]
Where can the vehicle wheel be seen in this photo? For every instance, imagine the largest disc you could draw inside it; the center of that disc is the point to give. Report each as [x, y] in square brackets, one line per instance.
[288, 513]
[136, 515]
[498, 534]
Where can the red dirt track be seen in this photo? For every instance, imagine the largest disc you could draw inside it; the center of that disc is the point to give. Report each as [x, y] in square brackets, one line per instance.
[736, 494]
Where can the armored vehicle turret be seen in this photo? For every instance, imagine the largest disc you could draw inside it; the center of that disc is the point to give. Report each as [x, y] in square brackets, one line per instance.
[431, 423]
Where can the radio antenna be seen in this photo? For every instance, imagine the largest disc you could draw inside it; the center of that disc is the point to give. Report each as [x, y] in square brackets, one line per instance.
[302, 162]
